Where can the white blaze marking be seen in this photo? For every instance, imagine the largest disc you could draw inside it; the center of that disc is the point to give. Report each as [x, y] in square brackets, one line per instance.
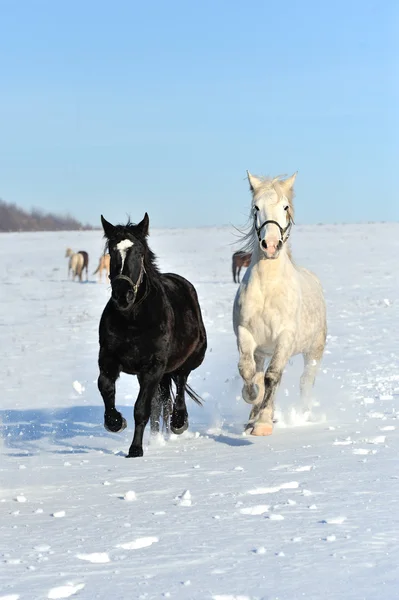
[123, 247]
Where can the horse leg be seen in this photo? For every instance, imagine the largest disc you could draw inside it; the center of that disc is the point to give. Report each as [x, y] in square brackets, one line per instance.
[160, 407]
[311, 365]
[155, 417]
[109, 373]
[261, 417]
[246, 364]
[149, 383]
[259, 377]
[179, 419]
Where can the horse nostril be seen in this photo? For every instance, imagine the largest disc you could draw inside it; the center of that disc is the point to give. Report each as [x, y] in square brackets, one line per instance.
[263, 244]
[130, 296]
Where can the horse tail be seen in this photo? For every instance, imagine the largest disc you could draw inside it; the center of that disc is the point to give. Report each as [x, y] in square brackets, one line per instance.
[187, 388]
[193, 395]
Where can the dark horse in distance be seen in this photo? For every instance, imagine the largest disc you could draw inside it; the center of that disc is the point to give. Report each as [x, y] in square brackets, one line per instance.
[240, 259]
[151, 327]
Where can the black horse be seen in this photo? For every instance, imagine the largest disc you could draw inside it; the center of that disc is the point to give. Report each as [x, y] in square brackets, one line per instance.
[151, 327]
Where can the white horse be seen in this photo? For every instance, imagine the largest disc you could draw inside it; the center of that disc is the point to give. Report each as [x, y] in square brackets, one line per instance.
[279, 309]
[75, 264]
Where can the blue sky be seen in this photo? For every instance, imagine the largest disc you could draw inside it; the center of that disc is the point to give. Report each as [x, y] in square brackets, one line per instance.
[124, 106]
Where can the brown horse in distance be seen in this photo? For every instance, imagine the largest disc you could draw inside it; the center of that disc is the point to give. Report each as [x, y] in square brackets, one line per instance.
[240, 259]
[103, 264]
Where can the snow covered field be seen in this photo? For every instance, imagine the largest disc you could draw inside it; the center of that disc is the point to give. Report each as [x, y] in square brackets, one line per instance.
[311, 512]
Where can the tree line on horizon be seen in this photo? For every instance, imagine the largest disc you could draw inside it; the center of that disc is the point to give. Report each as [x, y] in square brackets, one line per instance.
[13, 218]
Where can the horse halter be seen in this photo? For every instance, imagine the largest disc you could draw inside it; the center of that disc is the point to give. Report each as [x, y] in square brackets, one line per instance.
[283, 232]
[134, 285]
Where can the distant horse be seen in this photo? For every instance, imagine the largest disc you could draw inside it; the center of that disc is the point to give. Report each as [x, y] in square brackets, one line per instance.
[75, 264]
[69, 252]
[103, 265]
[240, 259]
[279, 309]
[151, 327]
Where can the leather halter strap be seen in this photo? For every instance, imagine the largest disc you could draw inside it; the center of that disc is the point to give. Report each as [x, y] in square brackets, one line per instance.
[283, 232]
[135, 285]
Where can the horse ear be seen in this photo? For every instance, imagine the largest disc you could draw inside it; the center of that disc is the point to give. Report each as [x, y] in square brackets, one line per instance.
[108, 227]
[254, 182]
[144, 225]
[288, 183]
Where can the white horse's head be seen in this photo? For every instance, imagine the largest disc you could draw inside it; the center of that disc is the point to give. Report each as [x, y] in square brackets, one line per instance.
[272, 211]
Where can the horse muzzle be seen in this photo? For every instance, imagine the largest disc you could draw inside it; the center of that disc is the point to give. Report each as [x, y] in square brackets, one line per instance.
[123, 292]
[271, 249]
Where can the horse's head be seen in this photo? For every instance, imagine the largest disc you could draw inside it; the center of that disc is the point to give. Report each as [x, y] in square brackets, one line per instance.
[127, 247]
[68, 252]
[272, 210]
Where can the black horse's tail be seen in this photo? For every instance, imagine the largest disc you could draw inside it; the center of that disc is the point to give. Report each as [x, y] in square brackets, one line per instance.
[187, 388]
[193, 395]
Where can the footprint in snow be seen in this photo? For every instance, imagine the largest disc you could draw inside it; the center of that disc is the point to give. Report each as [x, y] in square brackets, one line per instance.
[95, 557]
[379, 439]
[64, 591]
[334, 521]
[347, 442]
[291, 485]
[260, 509]
[143, 542]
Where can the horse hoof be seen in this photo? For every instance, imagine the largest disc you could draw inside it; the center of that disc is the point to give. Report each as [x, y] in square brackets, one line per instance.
[135, 452]
[115, 425]
[179, 430]
[250, 393]
[262, 429]
[179, 422]
[248, 400]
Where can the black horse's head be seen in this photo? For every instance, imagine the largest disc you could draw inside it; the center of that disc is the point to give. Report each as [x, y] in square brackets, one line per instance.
[127, 247]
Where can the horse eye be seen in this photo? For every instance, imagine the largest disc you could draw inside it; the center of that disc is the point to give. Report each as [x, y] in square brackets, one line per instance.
[286, 207]
[256, 207]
